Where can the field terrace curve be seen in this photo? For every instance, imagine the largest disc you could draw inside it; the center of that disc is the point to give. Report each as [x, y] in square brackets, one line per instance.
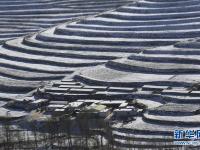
[166, 77]
[23, 66]
[151, 46]
[21, 17]
[130, 29]
[167, 82]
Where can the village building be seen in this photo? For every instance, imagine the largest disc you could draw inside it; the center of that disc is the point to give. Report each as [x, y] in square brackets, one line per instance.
[125, 112]
[76, 105]
[96, 110]
[53, 107]
[37, 104]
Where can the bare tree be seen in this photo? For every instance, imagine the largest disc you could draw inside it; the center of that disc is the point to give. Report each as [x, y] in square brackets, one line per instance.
[7, 133]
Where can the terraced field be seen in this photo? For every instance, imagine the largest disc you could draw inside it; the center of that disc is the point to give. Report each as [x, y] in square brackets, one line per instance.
[21, 17]
[175, 67]
[148, 43]
[24, 65]
[137, 28]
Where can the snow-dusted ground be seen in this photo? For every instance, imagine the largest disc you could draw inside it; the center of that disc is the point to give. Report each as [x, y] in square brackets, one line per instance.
[151, 42]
